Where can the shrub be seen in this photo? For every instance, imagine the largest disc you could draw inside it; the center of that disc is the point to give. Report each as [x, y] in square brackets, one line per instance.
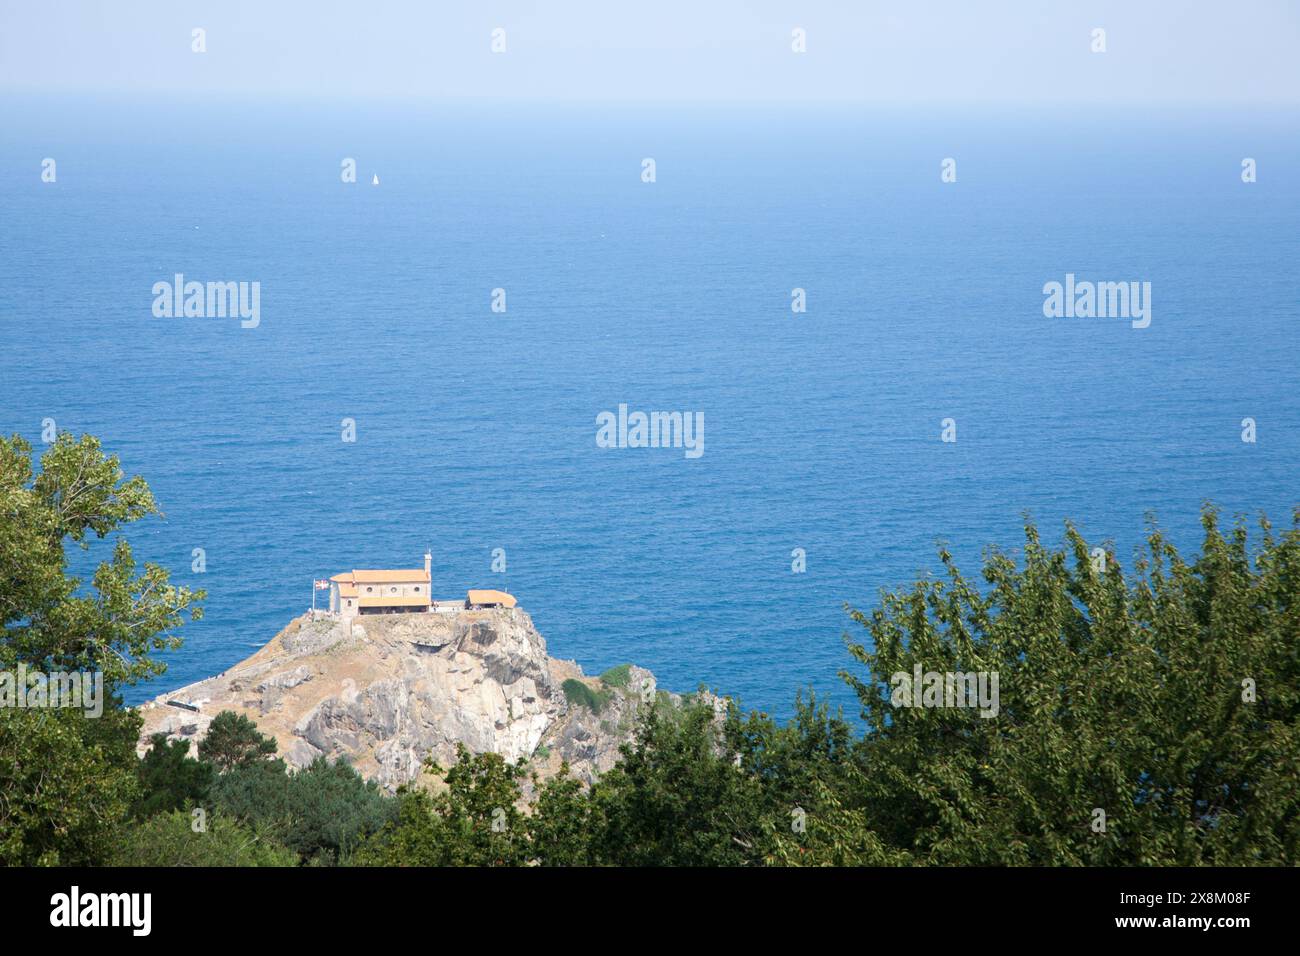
[618, 676]
[169, 839]
[576, 692]
[322, 812]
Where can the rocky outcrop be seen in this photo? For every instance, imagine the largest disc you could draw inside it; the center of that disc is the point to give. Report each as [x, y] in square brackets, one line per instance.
[389, 691]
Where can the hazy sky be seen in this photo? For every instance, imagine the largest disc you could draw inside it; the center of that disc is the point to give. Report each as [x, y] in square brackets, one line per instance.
[942, 51]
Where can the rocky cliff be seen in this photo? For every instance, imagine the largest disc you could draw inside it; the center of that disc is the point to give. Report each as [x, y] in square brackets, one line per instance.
[387, 691]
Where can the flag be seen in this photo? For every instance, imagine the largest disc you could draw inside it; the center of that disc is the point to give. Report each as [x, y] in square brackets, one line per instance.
[322, 585]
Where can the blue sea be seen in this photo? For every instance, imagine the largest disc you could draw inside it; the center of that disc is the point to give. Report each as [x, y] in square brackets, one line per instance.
[475, 430]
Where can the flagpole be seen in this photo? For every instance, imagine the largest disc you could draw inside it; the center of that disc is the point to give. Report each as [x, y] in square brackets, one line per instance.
[313, 598]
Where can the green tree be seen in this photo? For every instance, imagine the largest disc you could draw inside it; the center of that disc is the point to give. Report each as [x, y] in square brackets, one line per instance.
[68, 779]
[233, 741]
[170, 779]
[62, 791]
[49, 620]
[1151, 719]
[680, 797]
[805, 770]
[474, 821]
[562, 822]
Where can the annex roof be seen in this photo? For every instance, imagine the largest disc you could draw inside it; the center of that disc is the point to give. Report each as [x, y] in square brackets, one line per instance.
[489, 596]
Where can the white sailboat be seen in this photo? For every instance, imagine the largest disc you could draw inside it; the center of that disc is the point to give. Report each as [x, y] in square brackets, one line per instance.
[375, 181]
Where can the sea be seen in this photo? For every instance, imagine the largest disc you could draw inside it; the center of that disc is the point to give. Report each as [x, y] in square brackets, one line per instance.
[824, 478]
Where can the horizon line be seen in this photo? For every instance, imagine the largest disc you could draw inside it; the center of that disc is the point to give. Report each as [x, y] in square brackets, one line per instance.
[298, 96]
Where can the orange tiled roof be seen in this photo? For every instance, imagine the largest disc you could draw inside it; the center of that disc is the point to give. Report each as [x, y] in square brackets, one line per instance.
[492, 597]
[399, 576]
